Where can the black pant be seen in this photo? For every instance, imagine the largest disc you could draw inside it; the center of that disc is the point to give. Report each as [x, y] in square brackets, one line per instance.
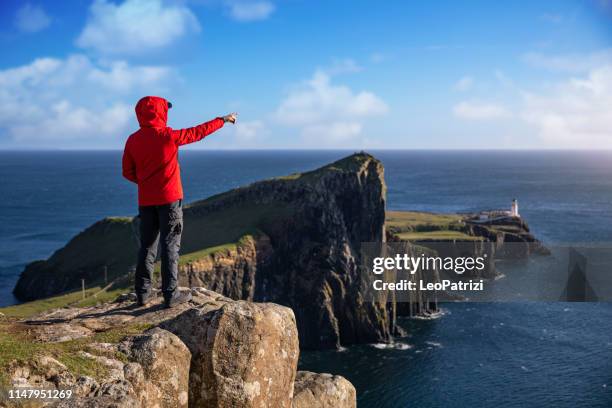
[167, 219]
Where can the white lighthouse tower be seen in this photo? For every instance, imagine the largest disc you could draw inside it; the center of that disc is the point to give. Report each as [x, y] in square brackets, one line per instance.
[514, 209]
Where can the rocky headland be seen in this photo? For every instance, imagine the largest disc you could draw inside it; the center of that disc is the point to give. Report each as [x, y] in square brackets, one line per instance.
[268, 264]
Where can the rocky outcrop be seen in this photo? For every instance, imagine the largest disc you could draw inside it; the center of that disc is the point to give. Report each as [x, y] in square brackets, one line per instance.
[511, 236]
[211, 352]
[313, 390]
[157, 375]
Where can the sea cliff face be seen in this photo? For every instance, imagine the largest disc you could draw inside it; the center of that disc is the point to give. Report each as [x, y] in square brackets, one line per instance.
[513, 231]
[309, 258]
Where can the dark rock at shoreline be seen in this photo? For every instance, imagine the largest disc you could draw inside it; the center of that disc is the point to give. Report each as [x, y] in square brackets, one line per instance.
[513, 231]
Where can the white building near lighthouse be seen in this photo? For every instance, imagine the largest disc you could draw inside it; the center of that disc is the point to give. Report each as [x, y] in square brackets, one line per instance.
[495, 215]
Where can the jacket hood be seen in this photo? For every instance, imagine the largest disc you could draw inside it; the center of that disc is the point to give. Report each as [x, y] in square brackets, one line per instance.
[152, 111]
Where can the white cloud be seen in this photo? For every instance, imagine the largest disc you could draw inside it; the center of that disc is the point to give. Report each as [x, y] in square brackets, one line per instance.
[31, 18]
[135, 26]
[60, 102]
[328, 113]
[464, 84]
[64, 122]
[248, 131]
[575, 113]
[473, 110]
[575, 63]
[123, 77]
[249, 10]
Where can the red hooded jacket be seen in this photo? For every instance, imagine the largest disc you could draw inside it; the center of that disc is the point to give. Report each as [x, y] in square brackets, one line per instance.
[150, 158]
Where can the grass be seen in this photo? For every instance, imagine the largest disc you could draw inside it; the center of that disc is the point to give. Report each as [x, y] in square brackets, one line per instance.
[352, 163]
[194, 256]
[120, 220]
[229, 225]
[424, 226]
[102, 296]
[402, 221]
[439, 235]
[348, 164]
[17, 346]
[29, 309]
[197, 255]
[289, 177]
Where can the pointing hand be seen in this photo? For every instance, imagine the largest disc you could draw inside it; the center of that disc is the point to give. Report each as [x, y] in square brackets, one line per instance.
[230, 117]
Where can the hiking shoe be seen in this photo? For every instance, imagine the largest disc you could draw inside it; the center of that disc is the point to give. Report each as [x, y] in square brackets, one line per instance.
[177, 299]
[144, 298]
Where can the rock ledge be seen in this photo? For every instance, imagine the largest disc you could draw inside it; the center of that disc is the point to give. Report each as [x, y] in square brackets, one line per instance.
[211, 352]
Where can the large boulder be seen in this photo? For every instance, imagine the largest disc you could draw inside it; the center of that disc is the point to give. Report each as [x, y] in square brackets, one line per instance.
[160, 369]
[244, 354]
[313, 390]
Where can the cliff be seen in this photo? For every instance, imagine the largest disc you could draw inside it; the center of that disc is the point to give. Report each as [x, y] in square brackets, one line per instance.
[210, 352]
[109, 243]
[292, 240]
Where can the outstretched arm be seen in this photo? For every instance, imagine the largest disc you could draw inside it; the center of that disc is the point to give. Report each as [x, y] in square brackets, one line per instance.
[197, 133]
[129, 168]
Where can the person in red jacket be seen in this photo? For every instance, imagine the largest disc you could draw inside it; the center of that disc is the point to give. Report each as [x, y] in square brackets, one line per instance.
[150, 159]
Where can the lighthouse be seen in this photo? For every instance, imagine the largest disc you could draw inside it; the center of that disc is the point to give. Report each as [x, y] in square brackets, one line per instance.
[514, 209]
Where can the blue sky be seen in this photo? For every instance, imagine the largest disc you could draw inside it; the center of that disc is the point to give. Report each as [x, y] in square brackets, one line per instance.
[311, 74]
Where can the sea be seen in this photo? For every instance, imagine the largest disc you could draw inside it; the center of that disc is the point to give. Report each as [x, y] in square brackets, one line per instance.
[493, 354]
